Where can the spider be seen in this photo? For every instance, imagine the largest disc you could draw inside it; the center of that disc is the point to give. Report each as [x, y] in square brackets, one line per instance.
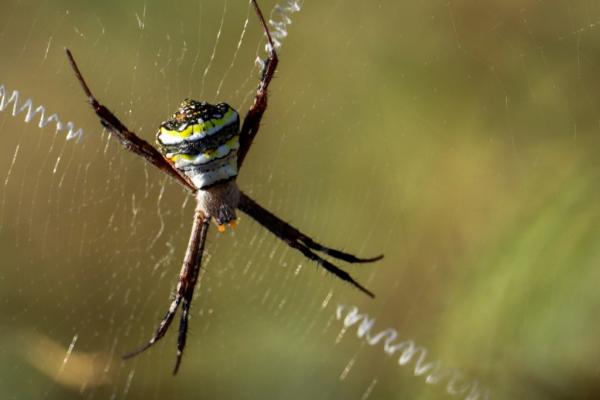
[202, 146]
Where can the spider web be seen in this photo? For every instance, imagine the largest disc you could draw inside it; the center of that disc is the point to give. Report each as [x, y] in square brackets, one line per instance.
[455, 138]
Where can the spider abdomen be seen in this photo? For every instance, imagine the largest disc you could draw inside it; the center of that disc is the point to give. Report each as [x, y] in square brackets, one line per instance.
[201, 140]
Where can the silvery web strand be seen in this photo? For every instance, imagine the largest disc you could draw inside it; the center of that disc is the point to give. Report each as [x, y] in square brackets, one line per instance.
[458, 384]
[17, 108]
[279, 20]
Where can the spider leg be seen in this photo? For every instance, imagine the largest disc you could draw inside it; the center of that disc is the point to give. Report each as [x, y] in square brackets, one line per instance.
[259, 213]
[299, 241]
[340, 273]
[252, 120]
[182, 336]
[340, 255]
[128, 139]
[187, 298]
[163, 327]
[188, 277]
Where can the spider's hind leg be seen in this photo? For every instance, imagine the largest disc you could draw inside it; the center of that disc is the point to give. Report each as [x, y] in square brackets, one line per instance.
[268, 219]
[340, 273]
[182, 336]
[340, 255]
[304, 244]
[188, 277]
[163, 327]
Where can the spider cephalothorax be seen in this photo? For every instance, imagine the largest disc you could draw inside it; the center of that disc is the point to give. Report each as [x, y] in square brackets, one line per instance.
[202, 147]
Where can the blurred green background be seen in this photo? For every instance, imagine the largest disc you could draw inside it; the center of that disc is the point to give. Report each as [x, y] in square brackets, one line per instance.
[457, 137]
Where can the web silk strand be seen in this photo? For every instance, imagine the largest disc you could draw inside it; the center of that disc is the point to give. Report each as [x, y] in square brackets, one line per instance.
[6, 99]
[457, 384]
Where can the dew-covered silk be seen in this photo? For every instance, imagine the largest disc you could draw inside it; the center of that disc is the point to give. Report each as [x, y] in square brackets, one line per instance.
[202, 140]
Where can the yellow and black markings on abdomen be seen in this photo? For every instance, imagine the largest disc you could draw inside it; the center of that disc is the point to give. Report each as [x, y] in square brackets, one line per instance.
[202, 140]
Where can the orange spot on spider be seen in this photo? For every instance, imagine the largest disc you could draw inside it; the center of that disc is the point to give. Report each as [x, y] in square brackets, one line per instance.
[233, 224]
[221, 228]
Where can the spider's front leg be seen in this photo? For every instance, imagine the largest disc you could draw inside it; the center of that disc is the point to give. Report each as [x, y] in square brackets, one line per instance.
[253, 117]
[188, 277]
[128, 139]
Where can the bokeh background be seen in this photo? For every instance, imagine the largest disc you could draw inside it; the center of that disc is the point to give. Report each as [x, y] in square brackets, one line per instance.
[457, 137]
